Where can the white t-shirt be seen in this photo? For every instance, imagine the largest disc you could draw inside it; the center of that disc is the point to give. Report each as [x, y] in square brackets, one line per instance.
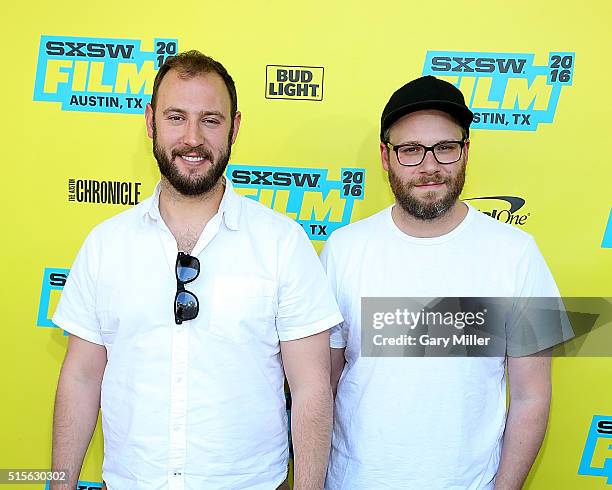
[422, 423]
[202, 404]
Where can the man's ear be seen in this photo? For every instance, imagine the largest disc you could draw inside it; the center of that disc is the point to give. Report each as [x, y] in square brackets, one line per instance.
[237, 119]
[149, 119]
[384, 156]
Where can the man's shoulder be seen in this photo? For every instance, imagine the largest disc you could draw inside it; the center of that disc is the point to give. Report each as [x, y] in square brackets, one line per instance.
[118, 225]
[261, 217]
[498, 231]
[360, 230]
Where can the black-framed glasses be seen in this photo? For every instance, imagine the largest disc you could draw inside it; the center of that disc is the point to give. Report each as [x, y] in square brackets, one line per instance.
[413, 154]
[186, 305]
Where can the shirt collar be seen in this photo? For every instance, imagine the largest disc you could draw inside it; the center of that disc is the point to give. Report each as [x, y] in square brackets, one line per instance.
[229, 208]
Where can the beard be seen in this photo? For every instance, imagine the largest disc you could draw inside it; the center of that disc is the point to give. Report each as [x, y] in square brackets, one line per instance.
[191, 185]
[425, 207]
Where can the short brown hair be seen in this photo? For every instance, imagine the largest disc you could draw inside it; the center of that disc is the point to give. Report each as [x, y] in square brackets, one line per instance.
[190, 64]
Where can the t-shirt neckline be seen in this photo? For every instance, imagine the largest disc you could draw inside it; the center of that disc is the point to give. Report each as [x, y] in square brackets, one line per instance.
[431, 240]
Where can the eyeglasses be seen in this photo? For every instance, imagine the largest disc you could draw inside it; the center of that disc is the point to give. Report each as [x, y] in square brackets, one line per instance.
[413, 154]
[186, 304]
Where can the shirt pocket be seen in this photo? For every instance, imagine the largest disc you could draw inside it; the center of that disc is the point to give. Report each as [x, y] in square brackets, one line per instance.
[242, 309]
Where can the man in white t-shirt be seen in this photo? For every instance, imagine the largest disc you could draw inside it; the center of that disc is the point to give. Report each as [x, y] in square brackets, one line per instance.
[186, 312]
[432, 422]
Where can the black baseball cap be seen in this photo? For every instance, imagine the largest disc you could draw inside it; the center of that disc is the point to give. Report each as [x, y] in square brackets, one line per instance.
[426, 93]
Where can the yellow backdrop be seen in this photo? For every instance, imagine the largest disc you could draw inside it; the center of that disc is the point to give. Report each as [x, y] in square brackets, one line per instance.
[312, 79]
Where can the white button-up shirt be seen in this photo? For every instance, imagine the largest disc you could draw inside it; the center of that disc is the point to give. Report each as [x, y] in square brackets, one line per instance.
[202, 404]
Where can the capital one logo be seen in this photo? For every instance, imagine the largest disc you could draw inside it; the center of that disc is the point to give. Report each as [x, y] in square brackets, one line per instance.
[505, 90]
[497, 208]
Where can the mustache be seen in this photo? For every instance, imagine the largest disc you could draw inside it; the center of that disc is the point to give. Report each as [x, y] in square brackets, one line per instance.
[197, 152]
[430, 180]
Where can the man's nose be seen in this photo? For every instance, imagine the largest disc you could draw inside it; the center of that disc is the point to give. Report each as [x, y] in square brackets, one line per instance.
[193, 135]
[429, 164]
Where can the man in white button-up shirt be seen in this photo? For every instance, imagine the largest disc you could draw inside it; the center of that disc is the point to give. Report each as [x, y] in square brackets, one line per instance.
[185, 352]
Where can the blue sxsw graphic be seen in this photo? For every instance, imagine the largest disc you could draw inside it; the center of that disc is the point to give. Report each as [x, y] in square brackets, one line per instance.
[505, 90]
[607, 238]
[98, 74]
[597, 455]
[318, 203]
[53, 279]
[81, 485]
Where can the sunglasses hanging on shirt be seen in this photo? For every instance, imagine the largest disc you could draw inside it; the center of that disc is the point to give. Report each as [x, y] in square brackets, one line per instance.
[186, 305]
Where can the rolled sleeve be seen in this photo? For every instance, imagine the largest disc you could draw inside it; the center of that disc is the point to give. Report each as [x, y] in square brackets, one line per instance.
[336, 337]
[306, 305]
[539, 320]
[76, 310]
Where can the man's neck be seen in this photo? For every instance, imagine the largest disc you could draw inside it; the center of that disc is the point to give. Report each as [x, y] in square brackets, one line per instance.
[188, 214]
[432, 227]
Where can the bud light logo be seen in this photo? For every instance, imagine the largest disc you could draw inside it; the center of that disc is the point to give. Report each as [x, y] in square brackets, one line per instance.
[294, 82]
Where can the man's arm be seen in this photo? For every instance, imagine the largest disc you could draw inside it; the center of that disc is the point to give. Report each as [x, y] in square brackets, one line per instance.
[77, 402]
[307, 367]
[337, 366]
[530, 392]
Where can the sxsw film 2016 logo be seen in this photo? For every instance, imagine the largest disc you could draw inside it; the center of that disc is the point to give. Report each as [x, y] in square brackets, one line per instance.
[318, 203]
[607, 238]
[597, 455]
[54, 279]
[81, 485]
[505, 90]
[98, 74]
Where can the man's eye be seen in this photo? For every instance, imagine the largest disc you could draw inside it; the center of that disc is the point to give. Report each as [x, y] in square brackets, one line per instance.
[447, 147]
[175, 118]
[410, 149]
[211, 121]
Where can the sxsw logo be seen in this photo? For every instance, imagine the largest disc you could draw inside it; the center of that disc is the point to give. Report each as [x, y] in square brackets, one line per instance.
[607, 238]
[98, 74]
[597, 455]
[294, 82]
[502, 208]
[318, 203]
[54, 280]
[505, 90]
[81, 485]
